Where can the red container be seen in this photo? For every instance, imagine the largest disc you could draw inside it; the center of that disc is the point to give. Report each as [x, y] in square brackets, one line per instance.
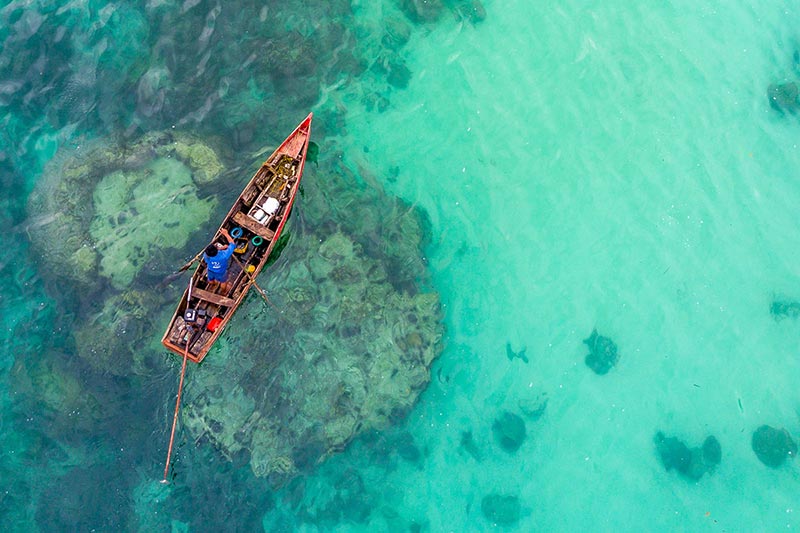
[213, 324]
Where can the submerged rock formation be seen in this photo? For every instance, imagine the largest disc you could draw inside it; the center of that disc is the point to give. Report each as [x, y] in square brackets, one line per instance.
[108, 222]
[602, 354]
[501, 509]
[350, 350]
[43, 383]
[691, 463]
[469, 10]
[783, 97]
[784, 309]
[773, 446]
[511, 354]
[509, 431]
[110, 339]
[533, 407]
[99, 214]
[468, 444]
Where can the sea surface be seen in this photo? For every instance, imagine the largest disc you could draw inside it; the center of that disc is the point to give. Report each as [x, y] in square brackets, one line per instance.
[580, 166]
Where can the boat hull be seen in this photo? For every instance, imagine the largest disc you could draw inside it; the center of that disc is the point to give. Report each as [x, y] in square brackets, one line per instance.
[258, 217]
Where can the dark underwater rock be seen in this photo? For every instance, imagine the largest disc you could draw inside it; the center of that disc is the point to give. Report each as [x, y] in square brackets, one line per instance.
[511, 354]
[312, 156]
[398, 32]
[603, 353]
[421, 11]
[469, 445]
[469, 10]
[712, 451]
[773, 446]
[674, 453]
[407, 448]
[533, 408]
[343, 497]
[93, 498]
[501, 509]
[784, 309]
[509, 431]
[690, 463]
[783, 97]
[399, 74]
[48, 385]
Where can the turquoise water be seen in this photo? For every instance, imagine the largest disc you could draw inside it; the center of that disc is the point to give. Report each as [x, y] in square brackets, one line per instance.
[613, 167]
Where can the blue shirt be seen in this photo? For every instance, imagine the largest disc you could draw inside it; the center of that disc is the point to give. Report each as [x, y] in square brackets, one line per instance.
[219, 263]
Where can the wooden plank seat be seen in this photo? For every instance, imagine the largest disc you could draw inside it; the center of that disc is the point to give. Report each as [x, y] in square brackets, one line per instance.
[250, 224]
[212, 297]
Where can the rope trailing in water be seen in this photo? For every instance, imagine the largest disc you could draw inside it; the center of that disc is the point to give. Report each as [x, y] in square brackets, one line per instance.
[264, 295]
[177, 406]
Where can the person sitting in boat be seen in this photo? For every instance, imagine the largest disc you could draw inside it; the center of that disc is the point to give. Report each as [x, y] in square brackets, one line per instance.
[217, 257]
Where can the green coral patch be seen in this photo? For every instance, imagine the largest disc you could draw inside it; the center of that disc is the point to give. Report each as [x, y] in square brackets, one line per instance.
[102, 211]
[201, 158]
[155, 206]
[350, 350]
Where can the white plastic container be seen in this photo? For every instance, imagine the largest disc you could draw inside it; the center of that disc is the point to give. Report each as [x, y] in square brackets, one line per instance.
[271, 205]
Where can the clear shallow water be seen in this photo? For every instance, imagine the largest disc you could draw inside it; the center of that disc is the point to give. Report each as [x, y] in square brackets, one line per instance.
[617, 168]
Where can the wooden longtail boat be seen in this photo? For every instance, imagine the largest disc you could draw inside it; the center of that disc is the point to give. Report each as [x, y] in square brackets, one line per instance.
[259, 213]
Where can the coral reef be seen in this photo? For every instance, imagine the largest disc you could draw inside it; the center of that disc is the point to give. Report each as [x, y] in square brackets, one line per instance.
[509, 431]
[110, 340]
[102, 213]
[92, 498]
[45, 385]
[294, 52]
[78, 72]
[501, 509]
[350, 351]
[773, 446]
[602, 354]
[690, 463]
